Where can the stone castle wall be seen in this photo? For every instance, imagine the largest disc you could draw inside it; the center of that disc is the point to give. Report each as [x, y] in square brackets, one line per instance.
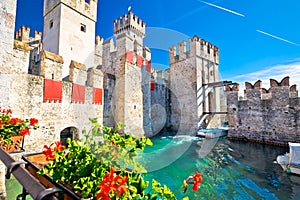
[27, 98]
[266, 116]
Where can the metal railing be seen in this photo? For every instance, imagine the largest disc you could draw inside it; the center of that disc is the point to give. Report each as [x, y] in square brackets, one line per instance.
[30, 184]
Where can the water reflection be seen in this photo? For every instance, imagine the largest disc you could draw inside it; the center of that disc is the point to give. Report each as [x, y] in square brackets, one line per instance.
[231, 170]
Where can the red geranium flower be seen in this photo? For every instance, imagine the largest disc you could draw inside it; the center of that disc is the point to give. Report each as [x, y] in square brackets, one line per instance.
[10, 126]
[197, 179]
[33, 121]
[8, 111]
[112, 183]
[25, 131]
[48, 152]
[59, 146]
[14, 121]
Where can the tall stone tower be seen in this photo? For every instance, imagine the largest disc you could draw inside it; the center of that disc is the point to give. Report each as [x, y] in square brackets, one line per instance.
[69, 30]
[191, 72]
[7, 25]
[129, 31]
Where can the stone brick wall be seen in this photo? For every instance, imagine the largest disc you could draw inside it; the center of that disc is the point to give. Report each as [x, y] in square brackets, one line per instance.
[190, 73]
[7, 26]
[159, 107]
[272, 118]
[26, 99]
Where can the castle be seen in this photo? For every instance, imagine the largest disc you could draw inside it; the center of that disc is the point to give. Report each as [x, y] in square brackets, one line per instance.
[265, 116]
[67, 74]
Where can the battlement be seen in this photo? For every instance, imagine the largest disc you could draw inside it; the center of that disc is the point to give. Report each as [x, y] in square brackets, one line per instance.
[130, 22]
[23, 35]
[99, 40]
[197, 47]
[87, 8]
[281, 88]
[159, 76]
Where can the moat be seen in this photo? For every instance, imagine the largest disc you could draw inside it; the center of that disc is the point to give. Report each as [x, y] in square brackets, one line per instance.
[230, 169]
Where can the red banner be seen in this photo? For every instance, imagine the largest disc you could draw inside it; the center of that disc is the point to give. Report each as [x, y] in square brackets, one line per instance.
[148, 66]
[140, 61]
[129, 57]
[78, 93]
[152, 86]
[97, 96]
[52, 90]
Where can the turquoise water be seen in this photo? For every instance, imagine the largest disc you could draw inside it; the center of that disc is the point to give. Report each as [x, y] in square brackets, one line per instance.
[230, 169]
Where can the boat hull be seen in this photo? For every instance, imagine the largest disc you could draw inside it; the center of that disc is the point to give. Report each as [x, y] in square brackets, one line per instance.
[211, 133]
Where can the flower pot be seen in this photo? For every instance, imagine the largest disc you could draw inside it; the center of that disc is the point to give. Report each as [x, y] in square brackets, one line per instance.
[16, 146]
[38, 160]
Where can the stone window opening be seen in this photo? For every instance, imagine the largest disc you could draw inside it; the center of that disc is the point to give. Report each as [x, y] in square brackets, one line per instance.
[234, 109]
[51, 23]
[83, 27]
[134, 106]
[249, 108]
[248, 127]
[52, 76]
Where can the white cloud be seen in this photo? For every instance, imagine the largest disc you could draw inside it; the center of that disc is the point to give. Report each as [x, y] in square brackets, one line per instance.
[277, 72]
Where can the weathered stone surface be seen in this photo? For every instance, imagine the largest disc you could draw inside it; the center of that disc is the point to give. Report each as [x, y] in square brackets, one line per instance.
[190, 72]
[21, 45]
[270, 119]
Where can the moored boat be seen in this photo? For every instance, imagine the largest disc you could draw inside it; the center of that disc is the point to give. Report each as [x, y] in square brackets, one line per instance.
[290, 162]
[212, 133]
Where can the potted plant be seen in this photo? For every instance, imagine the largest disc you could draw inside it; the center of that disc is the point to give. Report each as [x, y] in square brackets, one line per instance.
[13, 130]
[101, 170]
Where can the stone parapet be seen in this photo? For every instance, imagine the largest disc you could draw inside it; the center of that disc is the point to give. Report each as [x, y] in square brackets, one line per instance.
[78, 73]
[266, 116]
[198, 47]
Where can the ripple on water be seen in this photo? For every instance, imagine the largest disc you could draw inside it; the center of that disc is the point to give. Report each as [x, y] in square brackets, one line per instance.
[231, 170]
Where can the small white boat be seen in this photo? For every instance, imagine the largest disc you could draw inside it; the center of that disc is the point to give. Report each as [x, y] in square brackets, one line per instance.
[211, 133]
[290, 162]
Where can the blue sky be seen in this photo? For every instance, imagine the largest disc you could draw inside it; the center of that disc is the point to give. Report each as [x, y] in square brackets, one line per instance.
[258, 39]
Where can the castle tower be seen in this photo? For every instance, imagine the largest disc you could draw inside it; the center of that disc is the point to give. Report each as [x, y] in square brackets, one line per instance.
[7, 26]
[129, 31]
[69, 30]
[191, 72]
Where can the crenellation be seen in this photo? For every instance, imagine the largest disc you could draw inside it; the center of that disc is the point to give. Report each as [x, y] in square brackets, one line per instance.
[20, 58]
[23, 34]
[37, 35]
[50, 66]
[94, 78]
[132, 22]
[146, 54]
[182, 51]
[265, 94]
[267, 116]
[198, 48]
[172, 54]
[99, 51]
[293, 91]
[78, 73]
